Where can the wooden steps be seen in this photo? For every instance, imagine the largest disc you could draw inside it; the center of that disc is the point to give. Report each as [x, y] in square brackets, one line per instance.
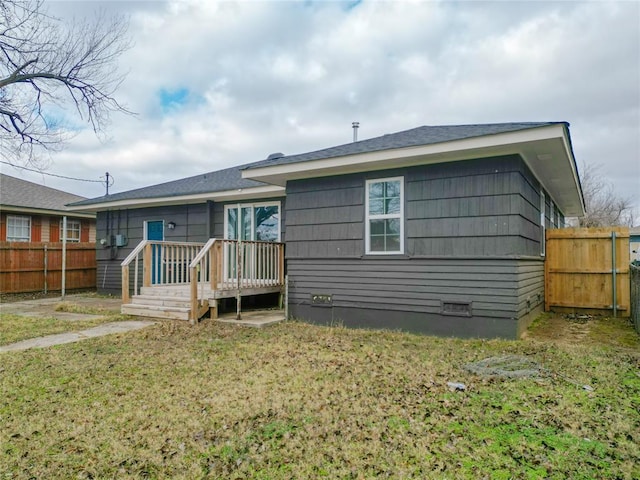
[156, 311]
[173, 302]
[154, 302]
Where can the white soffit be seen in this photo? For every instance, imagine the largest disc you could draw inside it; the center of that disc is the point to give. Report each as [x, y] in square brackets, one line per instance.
[545, 150]
[268, 191]
[44, 211]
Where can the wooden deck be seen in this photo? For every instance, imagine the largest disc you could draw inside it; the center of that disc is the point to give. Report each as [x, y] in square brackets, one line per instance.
[179, 280]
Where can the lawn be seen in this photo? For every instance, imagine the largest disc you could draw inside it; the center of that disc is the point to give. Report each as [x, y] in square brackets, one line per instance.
[300, 401]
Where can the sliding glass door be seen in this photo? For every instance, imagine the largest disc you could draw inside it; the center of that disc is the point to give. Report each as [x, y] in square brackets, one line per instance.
[259, 222]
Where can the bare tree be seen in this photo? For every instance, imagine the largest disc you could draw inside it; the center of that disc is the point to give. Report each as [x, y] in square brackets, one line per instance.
[603, 206]
[47, 66]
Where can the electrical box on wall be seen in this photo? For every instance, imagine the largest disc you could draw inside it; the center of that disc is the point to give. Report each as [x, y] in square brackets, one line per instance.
[121, 240]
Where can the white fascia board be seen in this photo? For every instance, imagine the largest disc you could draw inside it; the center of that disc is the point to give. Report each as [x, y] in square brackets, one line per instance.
[267, 191]
[576, 176]
[44, 211]
[446, 151]
[545, 150]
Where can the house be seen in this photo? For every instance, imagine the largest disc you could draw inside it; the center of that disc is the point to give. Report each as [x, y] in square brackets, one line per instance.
[33, 213]
[437, 229]
[634, 245]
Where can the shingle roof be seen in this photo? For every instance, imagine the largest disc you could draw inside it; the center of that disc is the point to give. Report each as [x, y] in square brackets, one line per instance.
[425, 135]
[15, 192]
[227, 179]
[231, 178]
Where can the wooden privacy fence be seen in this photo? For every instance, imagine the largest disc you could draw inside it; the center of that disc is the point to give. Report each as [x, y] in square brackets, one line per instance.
[35, 267]
[587, 269]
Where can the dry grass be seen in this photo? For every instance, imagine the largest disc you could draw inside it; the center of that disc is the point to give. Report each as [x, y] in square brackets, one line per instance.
[298, 401]
[72, 307]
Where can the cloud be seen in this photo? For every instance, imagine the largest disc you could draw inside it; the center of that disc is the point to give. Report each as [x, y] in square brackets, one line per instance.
[221, 83]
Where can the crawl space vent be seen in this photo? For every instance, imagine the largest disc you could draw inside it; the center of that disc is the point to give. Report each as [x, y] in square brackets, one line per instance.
[461, 309]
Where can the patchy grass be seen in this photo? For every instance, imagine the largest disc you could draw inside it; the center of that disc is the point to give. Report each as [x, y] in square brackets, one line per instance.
[596, 331]
[71, 307]
[299, 401]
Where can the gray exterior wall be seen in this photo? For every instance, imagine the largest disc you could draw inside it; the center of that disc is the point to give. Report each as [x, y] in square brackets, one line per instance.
[193, 224]
[409, 294]
[472, 237]
[487, 207]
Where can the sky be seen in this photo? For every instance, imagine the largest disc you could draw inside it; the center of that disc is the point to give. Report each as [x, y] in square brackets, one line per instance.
[216, 84]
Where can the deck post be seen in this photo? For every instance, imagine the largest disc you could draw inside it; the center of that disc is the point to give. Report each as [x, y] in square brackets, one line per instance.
[213, 265]
[281, 266]
[238, 279]
[194, 296]
[213, 309]
[146, 266]
[126, 298]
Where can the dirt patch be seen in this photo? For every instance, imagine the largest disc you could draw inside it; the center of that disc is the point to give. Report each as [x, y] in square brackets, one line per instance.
[584, 330]
[26, 296]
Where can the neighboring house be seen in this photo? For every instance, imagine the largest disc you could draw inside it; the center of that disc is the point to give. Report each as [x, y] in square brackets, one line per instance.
[634, 244]
[33, 213]
[435, 229]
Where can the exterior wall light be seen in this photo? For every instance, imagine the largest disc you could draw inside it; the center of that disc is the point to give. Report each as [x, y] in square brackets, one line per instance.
[171, 225]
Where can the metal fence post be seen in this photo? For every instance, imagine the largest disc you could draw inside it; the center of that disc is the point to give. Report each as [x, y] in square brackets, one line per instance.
[614, 265]
[634, 277]
[45, 268]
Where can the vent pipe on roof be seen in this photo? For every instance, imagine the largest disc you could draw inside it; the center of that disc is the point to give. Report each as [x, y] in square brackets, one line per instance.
[355, 126]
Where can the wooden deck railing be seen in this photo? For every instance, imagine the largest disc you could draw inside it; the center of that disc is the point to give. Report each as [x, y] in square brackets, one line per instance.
[225, 265]
[218, 265]
[163, 263]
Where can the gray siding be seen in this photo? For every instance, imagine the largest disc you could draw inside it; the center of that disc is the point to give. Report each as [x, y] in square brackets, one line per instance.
[530, 285]
[193, 223]
[325, 217]
[486, 207]
[408, 294]
[472, 236]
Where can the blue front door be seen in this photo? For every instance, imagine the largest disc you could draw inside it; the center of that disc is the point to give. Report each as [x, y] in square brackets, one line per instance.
[155, 231]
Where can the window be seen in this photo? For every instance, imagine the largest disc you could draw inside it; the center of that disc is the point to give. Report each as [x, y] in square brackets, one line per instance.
[18, 229]
[259, 222]
[542, 223]
[552, 215]
[385, 216]
[73, 230]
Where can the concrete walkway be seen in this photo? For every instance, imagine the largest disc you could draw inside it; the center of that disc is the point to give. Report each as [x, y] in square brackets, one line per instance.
[70, 337]
[45, 307]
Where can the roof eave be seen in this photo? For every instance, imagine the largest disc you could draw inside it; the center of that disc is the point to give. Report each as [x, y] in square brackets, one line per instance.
[45, 211]
[546, 150]
[266, 191]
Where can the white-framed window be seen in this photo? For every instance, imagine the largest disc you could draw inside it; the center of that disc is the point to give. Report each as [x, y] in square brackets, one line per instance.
[542, 223]
[18, 228]
[552, 216]
[252, 221]
[384, 216]
[73, 230]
